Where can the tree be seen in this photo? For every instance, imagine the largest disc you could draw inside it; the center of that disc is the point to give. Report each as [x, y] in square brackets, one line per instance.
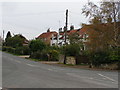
[104, 24]
[15, 41]
[37, 45]
[104, 33]
[8, 35]
[75, 39]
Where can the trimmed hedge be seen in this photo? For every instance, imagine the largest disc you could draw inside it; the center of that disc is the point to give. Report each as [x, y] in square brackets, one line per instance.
[8, 49]
[102, 57]
[47, 55]
[22, 50]
[19, 50]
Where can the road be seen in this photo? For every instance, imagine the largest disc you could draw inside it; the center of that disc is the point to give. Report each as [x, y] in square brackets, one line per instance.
[23, 73]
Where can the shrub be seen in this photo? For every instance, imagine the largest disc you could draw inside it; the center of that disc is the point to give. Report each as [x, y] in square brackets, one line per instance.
[54, 55]
[26, 50]
[39, 55]
[54, 48]
[14, 42]
[99, 58]
[4, 48]
[35, 55]
[71, 50]
[46, 54]
[22, 50]
[11, 50]
[37, 45]
[19, 51]
[114, 56]
[8, 49]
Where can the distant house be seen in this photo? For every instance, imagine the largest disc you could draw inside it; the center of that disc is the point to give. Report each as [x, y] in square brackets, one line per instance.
[61, 37]
[53, 38]
[25, 41]
[81, 34]
[49, 37]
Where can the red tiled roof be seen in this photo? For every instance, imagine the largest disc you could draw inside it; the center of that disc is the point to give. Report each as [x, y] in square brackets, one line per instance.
[61, 33]
[71, 32]
[47, 34]
[83, 30]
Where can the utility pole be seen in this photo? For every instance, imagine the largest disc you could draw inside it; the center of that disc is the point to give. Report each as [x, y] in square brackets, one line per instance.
[66, 27]
[3, 34]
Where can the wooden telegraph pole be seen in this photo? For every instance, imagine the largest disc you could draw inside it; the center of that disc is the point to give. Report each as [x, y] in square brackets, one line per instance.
[3, 35]
[66, 27]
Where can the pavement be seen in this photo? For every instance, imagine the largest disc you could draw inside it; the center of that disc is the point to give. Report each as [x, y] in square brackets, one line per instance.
[18, 72]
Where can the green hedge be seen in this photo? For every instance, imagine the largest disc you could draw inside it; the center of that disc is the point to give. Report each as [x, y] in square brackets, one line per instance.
[114, 56]
[19, 50]
[54, 55]
[47, 55]
[22, 50]
[8, 49]
[39, 55]
[70, 50]
[102, 57]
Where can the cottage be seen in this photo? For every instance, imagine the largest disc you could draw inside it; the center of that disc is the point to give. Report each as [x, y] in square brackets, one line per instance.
[49, 37]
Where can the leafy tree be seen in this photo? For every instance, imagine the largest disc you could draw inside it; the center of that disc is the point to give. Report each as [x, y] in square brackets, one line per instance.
[77, 42]
[37, 45]
[15, 41]
[105, 26]
[74, 38]
[8, 35]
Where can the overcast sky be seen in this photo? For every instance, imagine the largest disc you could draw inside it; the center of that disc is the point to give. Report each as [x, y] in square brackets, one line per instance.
[33, 18]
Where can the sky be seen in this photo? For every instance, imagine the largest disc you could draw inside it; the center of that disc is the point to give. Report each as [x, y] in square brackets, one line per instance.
[33, 18]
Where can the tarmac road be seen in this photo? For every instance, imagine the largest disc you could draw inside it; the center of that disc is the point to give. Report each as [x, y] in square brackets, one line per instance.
[22, 73]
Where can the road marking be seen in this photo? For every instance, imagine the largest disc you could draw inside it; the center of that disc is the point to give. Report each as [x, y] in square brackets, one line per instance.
[107, 77]
[0, 88]
[32, 65]
[78, 76]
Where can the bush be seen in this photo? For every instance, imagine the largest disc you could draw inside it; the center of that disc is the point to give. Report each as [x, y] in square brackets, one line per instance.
[35, 55]
[26, 50]
[19, 51]
[114, 56]
[39, 55]
[22, 50]
[8, 49]
[11, 50]
[14, 42]
[3, 48]
[99, 58]
[46, 54]
[71, 50]
[37, 45]
[54, 55]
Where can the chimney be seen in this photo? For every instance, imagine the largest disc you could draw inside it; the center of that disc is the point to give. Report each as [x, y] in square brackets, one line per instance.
[48, 30]
[71, 27]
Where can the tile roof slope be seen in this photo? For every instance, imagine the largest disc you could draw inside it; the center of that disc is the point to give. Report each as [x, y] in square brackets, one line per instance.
[47, 34]
[84, 29]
